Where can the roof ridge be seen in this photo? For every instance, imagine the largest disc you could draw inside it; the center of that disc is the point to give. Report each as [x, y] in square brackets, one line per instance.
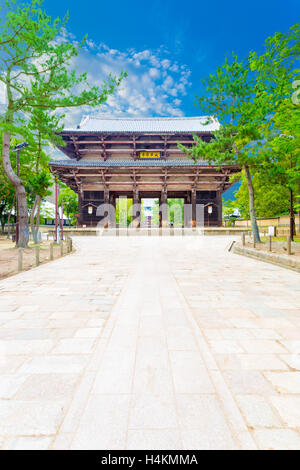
[165, 118]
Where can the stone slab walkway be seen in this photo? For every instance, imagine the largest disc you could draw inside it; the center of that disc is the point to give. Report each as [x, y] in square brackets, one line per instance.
[150, 343]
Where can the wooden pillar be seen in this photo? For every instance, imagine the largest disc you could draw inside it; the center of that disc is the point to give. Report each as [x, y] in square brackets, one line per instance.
[188, 210]
[80, 210]
[137, 208]
[164, 208]
[112, 215]
[106, 201]
[194, 217]
[219, 205]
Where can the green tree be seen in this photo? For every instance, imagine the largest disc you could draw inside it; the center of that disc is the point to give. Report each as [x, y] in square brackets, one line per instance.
[7, 197]
[231, 97]
[176, 211]
[123, 210]
[41, 129]
[271, 199]
[278, 72]
[7, 189]
[248, 97]
[69, 199]
[35, 59]
[229, 209]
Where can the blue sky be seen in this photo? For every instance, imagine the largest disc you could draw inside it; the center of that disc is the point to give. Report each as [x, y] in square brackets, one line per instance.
[166, 46]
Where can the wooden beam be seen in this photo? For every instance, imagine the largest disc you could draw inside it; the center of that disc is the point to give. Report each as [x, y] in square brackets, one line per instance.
[77, 150]
[116, 142]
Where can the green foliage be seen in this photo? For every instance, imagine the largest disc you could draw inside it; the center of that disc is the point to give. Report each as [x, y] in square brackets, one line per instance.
[176, 211]
[123, 211]
[69, 199]
[231, 98]
[277, 72]
[35, 68]
[35, 64]
[270, 199]
[39, 184]
[252, 99]
[228, 208]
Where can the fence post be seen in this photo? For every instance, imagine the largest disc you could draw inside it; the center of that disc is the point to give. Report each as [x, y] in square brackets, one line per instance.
[288, 245]
[71, 244]
[51, 251]
[20, 259]
[243, 239]
[269, 243]
[37, 254]
[61, 247]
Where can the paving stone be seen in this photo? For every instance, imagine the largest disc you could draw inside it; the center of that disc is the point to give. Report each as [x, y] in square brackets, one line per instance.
[104, 423]
[28, 443]
[226, 346]
[48, 387]
[288, 407]
[9, 384]
[148, 439]
[248, 381]
[257, 411]
[54, 364]
[200, 412]
[74, 346]
[277, 439]
[285, 382]
[152, 411]
[210, 439]
[292, 360]
[189, 373]
[262, 346]
[29, 418]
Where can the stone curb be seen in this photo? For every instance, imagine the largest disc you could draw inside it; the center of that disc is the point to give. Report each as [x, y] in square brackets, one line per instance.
[280, 260]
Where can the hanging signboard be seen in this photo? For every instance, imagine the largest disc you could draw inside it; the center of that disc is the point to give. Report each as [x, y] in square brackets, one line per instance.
[149, 154]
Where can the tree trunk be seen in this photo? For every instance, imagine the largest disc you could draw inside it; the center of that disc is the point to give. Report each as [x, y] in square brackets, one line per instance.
[251, 205]
[2, 219]
[9, 216]
[20, 190]
[32, 219]
[37, 225]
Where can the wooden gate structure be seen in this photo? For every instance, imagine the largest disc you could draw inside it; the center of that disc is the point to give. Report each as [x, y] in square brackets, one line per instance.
[140, 158]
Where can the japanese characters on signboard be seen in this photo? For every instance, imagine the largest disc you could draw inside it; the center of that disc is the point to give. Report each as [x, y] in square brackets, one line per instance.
[149, 155]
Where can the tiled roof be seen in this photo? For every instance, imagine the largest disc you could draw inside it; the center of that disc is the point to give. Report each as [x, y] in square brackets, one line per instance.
[131, 163]
[144, 125]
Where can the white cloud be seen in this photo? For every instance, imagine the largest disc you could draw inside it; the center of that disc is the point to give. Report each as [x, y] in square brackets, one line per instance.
[153, 82]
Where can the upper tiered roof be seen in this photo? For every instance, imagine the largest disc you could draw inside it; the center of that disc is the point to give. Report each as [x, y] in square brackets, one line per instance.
[154, 125]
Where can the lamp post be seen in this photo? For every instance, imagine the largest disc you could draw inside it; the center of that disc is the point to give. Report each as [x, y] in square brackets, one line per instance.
[209, 211]
[56, 212]
[62, 219]
[17, 149]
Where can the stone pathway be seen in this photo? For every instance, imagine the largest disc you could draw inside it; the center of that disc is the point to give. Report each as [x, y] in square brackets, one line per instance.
[150, 343]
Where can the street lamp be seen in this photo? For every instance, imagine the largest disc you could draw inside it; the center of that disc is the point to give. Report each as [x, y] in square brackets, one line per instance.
[17, 149]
